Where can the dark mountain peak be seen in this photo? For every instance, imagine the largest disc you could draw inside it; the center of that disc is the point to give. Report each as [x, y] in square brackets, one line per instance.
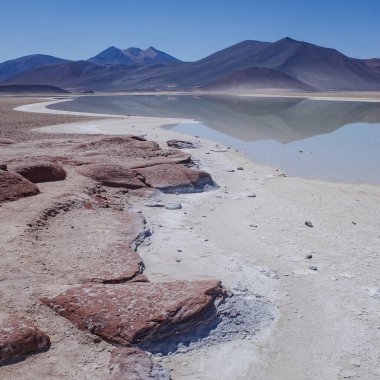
[14, 67]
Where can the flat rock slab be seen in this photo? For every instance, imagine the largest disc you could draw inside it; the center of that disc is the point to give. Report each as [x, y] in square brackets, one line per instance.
[132, 151]
[20, 338]
[180, 144]
[40, 171]
[172, 178]
[113, 175]
[130, 363]
[124, 263]
[13, 186]
[135, 312]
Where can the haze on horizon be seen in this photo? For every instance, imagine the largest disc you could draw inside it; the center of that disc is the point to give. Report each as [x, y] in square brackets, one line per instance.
[78, 30]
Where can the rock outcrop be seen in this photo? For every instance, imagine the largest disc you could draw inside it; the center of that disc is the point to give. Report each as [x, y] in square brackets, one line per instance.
[41, 171]
[180, 144]
[172, 178]
[6, 141]
[20, 338]
[113, 175]
[130, 363]
[129, 151]
[135, 312]
[13, 186]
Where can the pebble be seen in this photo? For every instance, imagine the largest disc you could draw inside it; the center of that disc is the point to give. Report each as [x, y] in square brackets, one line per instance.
[240, 168]
[173, 206]
[178, 259]
[251, 195]
[308, 257]
[347, 374]
[308, 223]
[230, 170]
[313, 268]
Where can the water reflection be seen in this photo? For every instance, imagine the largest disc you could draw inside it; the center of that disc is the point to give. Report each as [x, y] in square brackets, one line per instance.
[334, 140]
[244, 118]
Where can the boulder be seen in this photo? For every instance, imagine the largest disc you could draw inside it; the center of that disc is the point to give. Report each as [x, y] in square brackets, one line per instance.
[20, 338]
[180, 144]
[113, 175]
[173, 178]
[5, 141]
[135, 312]
[40, 171]
[13, 186]
[129, 151]
[130, 363]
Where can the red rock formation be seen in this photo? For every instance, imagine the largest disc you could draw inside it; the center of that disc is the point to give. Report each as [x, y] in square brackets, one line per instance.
[113, 175]
[130, 151]
[134, 364]
[40, 171]
[133, 312]
[20, 338]
[171, 178]
[13, 186]
[5, 141]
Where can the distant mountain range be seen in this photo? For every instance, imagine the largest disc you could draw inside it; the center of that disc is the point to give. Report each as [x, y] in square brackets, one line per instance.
[286, 64]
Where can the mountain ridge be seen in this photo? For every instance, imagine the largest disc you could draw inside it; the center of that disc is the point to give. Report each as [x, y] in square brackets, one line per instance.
[288, 63]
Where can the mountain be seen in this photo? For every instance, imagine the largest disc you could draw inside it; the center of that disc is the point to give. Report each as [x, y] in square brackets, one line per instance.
[248, 65]
[373, 63]
[13, 67]
[320, 67]
[256, 78]
[131, 56]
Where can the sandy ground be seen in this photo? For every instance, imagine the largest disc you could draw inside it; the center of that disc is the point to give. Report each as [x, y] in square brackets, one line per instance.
[328, 320]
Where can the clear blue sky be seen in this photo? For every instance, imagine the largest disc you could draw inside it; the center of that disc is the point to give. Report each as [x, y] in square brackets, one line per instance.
[187, 29]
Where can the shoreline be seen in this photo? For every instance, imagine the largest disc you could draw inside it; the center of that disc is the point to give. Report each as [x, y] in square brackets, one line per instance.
[327, 318]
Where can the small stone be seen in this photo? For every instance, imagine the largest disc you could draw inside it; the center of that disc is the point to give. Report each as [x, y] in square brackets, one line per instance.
[308, 257]
[3, 167]
[230, 170]
[308, 223]
[179, 250]
[251, 195]
[240, 168]
[178, 259]
[96, 339]
[347, 374]
[173, 206]
[313, 268]
[300, 151]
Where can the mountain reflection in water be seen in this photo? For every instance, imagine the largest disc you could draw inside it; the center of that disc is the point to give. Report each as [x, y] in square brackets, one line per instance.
[271, 130]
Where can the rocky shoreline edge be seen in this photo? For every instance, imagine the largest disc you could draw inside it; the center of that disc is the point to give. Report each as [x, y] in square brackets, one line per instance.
[118, 304]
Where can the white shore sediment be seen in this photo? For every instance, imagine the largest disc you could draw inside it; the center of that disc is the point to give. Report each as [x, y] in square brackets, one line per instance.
[327, 323]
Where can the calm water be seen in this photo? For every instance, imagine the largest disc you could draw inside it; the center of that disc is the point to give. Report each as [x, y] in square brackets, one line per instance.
[331, 140]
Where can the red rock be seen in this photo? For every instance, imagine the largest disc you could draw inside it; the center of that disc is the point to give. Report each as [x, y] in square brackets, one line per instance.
[113, 175]
[13, 186]
[134, 364]
[40, 171]
[171, 178]
[20, 338]
[135, 312]
[5, 141]
[129, 151]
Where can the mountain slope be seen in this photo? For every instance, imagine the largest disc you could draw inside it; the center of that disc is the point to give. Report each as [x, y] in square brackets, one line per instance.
[256, 78]
[13, 67]
[323, 68]
[131, 56]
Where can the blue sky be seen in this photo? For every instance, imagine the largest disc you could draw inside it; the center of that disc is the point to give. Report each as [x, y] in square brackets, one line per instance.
[187, 29]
